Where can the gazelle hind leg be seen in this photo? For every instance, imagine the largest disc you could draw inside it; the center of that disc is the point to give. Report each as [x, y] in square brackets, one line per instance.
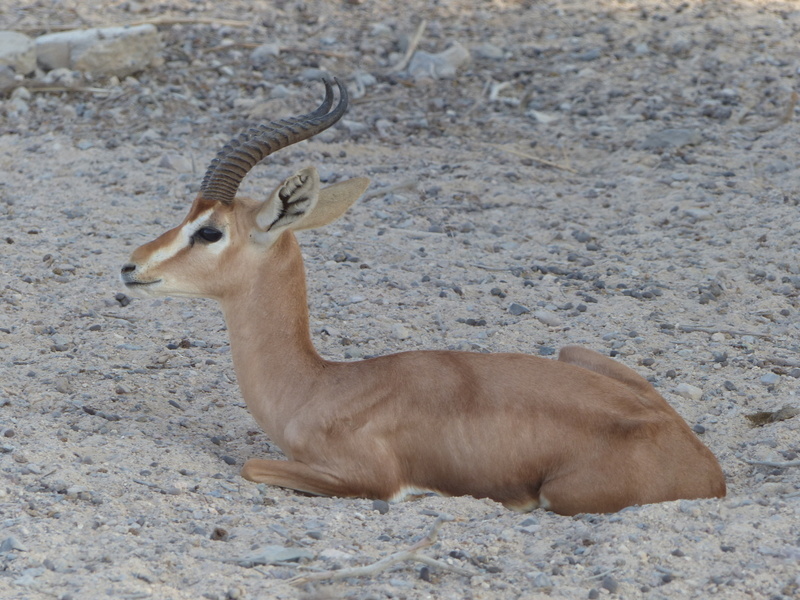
[294, 476]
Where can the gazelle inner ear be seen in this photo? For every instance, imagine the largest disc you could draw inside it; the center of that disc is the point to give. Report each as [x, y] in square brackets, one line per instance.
[333, 201]
[290, 201]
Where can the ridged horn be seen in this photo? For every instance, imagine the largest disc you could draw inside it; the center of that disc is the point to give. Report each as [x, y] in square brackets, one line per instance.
[246, 150]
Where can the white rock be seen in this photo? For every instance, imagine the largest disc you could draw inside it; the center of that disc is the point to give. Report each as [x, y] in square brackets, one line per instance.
[689, 391]
[548, 318]
[264, 54]
[18, 51]
[109, 51]
[488, 51]
[443, 65]
[175, 162]
[400, 332]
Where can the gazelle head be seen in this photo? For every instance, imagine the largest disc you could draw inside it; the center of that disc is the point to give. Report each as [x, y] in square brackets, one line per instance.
[223, 233]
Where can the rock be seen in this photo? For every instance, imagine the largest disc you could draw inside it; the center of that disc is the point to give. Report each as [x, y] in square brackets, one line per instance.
[518, 309]
[175, 162]
[11, 543]
[770, 379]
[610, 584]
[271, 554]
[118, 51]
[8, 79]
[443, 65]
[698, 214]
[488, 51]
[671, 138]
[400, 332]
[17, 51]
[262, 55]
[689, 391]
[381, 506]
[548, 318]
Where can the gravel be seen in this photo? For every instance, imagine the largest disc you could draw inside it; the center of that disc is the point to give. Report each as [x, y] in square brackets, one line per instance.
[639, 161]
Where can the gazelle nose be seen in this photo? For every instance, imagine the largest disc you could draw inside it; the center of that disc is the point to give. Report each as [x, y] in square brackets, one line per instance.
[128, 268]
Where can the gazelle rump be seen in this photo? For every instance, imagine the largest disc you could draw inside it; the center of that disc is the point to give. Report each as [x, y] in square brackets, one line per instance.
[579, 434]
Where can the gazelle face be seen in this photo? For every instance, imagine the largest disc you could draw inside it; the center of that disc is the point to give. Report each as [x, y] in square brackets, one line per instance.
[221, 241]
[188, 260]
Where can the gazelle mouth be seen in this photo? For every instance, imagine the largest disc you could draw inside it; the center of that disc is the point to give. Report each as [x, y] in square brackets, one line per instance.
[141, 283]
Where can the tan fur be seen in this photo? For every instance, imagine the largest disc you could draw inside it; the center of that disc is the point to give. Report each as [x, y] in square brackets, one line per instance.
[580, 434]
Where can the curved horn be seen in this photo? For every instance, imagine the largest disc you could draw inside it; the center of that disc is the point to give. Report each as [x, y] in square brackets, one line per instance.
[243, 152]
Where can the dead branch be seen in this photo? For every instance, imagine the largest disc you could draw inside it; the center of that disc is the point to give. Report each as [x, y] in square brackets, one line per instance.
[167, 20]
[412, 554]
[412, 47]
[541, 161]
[712, 330]
[772, 463]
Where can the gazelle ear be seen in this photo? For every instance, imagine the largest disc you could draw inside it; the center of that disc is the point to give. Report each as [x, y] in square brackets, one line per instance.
[333, 202]
[290, 202]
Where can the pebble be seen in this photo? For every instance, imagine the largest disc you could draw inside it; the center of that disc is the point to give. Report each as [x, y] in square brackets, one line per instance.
[381, 506]
[400, 332]
[548, 318]
[176, 162]
[518, 309]
[17, 51]
[272, 554]
[488, 51]
[770, 379]
[610, 584]
[263, 54]
[11, 543]
[672, 138]
[689, 391]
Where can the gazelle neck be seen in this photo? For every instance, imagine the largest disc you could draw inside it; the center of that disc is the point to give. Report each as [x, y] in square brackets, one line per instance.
[267, 319]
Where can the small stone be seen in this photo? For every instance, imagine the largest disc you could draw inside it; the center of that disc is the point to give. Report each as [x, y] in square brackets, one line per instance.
[548, 318]
[689, 391]
[542, 580]
[400, 332]
[11, 543]
[229, 460]
[263, 54]
[122, 299]
[488, 51]
[17, 51]
[518, 309]
[272, 554]
[610, 584]
[698, 429]
[770, 379]
[381, 506]
[176, 162]
[672, 138]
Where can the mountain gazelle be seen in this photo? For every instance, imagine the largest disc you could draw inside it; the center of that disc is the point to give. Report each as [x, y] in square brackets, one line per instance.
[579, 434]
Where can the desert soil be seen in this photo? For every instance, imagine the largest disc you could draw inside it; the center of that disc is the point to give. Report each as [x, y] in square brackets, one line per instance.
[617, 174]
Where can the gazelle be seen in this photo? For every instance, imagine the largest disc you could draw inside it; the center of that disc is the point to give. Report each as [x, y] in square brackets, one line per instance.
[579, 434]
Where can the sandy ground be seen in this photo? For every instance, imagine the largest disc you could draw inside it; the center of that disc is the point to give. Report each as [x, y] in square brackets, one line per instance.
[627, 171]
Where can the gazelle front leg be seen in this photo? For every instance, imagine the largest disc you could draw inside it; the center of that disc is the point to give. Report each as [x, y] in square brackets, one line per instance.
[296, 476]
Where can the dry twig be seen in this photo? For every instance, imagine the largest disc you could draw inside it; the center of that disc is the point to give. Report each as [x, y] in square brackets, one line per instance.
[541, 161]
[412, 554]
[167, 20]
[772, 463]
[712, 330]
[412, 47]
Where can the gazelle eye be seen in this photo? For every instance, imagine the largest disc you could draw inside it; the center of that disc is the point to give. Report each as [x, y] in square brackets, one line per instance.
[209, 234]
